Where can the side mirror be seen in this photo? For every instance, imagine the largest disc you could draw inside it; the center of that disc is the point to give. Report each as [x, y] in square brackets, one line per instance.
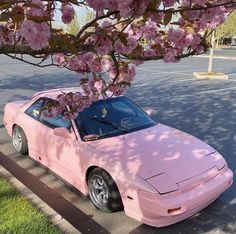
[63, 132]
[150, 111]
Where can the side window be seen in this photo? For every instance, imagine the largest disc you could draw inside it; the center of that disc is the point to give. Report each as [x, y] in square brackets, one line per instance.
[35, 109]
[53, 122]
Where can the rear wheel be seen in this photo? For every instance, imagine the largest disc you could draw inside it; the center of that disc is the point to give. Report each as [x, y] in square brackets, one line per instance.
[19, 140]
[103, 191]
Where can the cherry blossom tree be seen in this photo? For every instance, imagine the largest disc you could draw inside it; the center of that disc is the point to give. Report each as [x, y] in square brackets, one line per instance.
[107, 49]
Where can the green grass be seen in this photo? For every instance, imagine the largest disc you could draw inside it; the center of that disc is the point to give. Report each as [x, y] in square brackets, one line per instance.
[18, 216]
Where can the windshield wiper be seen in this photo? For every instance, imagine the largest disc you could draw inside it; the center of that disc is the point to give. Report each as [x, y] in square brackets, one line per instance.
[100, 120]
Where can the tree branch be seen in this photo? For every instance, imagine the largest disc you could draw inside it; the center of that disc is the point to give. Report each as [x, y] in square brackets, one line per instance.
[192, 8]
[86, 26]
[22, 49]
[31, 63]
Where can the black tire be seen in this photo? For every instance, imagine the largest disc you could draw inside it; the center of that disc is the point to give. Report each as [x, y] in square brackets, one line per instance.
[111, 201]
[23, 147]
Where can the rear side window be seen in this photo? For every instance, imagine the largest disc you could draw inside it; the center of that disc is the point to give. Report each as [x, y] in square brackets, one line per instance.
[39, 110]
[54, 122]
[35, 109]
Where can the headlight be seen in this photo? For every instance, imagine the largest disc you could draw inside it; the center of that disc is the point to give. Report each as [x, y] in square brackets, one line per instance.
[163, 183]
[217, 159]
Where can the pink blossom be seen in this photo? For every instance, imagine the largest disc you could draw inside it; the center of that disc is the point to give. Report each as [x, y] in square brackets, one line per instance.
[32, 33]
[38, 10]
[68, 13]
[60, 59]
[77, 97]
[117, 90]
[196, 42]
[99, 85]
[193, 15]
[170, 56]
[119, 47]
[169, 3]
[80, 107]
[1, 38]
[6, 35]
[132, 7]
[132, 43]
[107, 64]
[103, 45]
[93, 97]
[57, 110]
[107, 25]
[149, 29]
[159, 40]
[77, 63]
[70, 115]
[98, 5]
[137, 62]
[149, 53]
[9, 38]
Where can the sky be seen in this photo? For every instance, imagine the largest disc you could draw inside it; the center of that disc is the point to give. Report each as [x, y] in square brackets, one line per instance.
[80, 12]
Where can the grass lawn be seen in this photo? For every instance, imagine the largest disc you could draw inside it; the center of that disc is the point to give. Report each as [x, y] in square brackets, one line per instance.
[18, 216]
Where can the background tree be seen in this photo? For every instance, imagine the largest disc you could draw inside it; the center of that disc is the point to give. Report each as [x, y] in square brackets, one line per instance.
[74, 26]
[227, 29]
[110, 42]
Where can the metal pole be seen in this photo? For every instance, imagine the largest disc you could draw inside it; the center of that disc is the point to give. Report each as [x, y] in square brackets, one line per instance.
[211, 52]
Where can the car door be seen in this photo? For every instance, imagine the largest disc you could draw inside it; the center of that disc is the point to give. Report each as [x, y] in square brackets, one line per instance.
[31, 126]
[59, 153]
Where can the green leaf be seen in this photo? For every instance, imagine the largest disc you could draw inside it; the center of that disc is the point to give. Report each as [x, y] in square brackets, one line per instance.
[4, 16]
[123, 38]
[184, 14]
[83, 80]
[4, 6]
[137, 52]
[167, 17]
[38, 19]
[190, 29]
[33, 5]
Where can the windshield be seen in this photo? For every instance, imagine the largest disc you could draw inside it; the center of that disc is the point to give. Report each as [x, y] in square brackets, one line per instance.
[111, 117]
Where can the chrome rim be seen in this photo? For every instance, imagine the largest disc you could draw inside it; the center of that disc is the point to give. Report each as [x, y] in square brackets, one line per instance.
[99, 190]
[17, 140]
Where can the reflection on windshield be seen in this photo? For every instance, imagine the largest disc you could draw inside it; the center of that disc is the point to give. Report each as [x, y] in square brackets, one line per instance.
[95, 118]
[111, 117]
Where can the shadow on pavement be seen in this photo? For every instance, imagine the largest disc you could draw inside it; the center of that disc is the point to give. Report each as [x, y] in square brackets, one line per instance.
[217, 216]
[39, 82]
[203, 108]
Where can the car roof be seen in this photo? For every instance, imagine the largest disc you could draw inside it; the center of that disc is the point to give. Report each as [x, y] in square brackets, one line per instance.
[53, 93]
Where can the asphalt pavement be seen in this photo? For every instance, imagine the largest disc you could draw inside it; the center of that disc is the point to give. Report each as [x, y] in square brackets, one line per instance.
[204, 108]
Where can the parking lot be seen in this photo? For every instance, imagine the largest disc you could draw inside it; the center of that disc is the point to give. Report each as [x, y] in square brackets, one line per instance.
[204, 108]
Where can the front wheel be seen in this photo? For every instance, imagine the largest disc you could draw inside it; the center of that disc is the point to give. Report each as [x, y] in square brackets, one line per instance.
[19, 140]
[103, 191]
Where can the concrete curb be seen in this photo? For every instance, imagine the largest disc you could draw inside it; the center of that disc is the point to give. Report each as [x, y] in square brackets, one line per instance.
[63, 225]
[215, 75]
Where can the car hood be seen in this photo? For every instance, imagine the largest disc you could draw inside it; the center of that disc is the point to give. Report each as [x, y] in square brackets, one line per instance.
[157, 150]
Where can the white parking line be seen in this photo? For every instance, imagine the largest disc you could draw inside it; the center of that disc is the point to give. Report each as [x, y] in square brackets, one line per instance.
[216, 57]
[152, 72]
[164, 67]
[198, 93]
[213, 91]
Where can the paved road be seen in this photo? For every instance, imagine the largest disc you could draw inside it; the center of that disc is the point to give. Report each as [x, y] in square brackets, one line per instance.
[203, 108]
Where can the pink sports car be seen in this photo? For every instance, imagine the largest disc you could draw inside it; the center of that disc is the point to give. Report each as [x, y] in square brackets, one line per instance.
[117, 154]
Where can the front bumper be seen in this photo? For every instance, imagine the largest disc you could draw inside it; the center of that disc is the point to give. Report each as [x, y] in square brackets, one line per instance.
[163, 210]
